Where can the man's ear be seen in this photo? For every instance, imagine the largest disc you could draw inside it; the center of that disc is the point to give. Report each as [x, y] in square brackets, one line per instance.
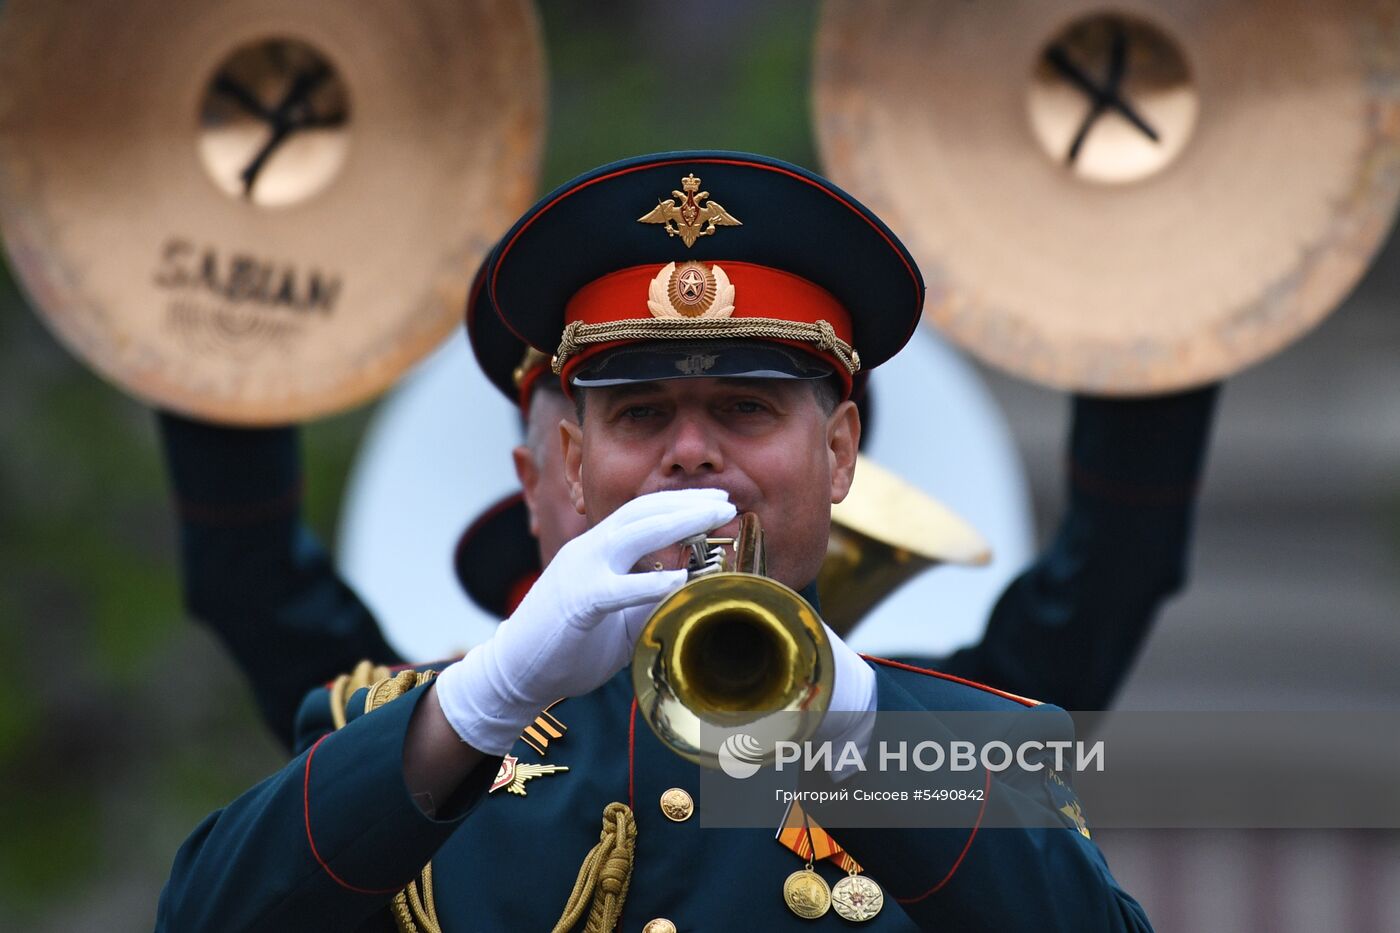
[842, 445]
[528, 472]
[571, 443]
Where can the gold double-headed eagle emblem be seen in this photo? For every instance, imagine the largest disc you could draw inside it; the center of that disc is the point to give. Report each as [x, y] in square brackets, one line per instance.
[690, 214]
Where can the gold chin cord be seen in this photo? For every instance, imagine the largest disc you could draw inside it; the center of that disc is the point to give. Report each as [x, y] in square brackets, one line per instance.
[733, 658]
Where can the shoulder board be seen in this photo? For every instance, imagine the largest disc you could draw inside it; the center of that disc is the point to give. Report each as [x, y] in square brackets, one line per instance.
[344, 687]
[391, 688]
[1024, 701]
[369, 674]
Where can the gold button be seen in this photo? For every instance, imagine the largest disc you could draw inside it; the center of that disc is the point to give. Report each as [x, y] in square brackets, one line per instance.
[659, 925]
[678, 807]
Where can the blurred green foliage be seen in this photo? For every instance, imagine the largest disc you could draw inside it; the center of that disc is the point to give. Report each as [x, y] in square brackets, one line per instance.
[630, 78]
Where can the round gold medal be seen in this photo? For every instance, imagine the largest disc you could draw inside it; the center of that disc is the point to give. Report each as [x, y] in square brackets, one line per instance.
[806, 894]
[856, 897]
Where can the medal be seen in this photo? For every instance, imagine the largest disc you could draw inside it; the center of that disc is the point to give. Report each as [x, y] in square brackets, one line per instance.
[856, 897]
[806, 893]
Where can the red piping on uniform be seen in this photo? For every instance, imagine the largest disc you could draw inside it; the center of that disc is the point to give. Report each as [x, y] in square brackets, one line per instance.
[496, 271]
[306, 811]
[631, 753]
[986, 795]
[955, 679]
[987, 786]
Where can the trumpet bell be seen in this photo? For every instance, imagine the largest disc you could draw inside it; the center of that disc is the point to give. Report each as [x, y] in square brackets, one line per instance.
[731, 653]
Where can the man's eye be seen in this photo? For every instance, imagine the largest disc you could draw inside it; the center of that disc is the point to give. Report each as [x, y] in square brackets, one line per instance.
[638, 412]
[749, 407]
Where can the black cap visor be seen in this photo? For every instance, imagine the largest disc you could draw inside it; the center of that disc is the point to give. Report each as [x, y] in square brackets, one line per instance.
[653, 361]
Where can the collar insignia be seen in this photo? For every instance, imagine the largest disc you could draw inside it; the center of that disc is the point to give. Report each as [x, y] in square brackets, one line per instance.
[686, 216]
[1067, 803]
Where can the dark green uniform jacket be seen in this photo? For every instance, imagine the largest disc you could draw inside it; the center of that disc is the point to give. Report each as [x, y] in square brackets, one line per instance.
[325, 843]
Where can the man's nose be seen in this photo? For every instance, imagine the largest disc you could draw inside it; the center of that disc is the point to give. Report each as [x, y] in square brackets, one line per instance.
[693, 447]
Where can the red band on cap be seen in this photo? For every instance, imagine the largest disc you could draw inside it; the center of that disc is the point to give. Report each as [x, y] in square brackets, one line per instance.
[759, 292]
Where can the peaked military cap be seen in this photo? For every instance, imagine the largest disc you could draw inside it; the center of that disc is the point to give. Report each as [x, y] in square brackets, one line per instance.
[497, 559]
[704, 264]
[512, 365]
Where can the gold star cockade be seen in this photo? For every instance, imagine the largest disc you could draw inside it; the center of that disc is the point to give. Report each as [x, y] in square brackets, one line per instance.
[690, 291]
[686, 216]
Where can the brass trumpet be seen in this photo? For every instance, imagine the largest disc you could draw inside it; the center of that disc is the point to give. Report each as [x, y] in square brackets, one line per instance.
[732, 651]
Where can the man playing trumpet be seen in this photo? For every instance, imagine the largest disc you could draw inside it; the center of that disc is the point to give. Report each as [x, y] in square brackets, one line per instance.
[711, 373]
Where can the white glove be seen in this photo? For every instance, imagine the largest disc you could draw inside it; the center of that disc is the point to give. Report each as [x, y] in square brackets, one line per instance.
[576, 627]
[851, 716]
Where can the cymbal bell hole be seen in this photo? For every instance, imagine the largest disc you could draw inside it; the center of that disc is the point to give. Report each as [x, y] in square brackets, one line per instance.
[274, 123]
[1111, 99]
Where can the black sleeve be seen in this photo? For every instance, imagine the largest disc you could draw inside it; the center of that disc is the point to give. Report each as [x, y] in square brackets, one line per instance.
[253, 573]
[1068, 628]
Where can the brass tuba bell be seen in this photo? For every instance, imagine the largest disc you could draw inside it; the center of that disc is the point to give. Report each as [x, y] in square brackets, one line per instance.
[732, 651]
[883, 534]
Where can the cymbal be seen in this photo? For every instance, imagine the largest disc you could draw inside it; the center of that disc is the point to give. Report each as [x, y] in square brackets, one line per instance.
[256, 211]
[1124, 198]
